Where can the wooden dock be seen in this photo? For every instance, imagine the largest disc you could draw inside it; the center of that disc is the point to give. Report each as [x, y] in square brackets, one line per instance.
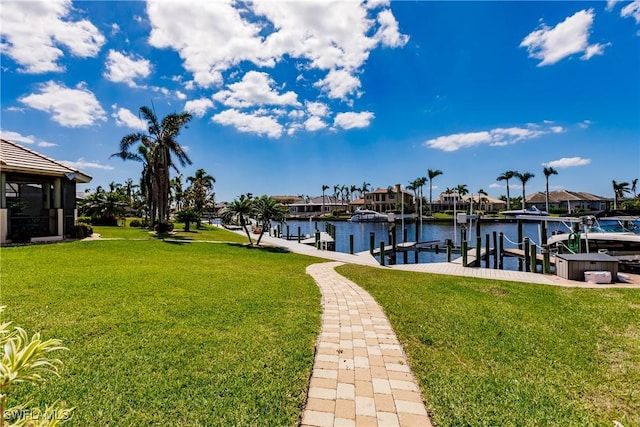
[520, 254]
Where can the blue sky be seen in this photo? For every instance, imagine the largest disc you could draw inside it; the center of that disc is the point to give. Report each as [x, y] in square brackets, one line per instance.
[288, 96]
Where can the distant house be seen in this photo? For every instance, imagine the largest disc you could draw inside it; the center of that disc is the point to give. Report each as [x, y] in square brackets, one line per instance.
[387, 199]
[316, 206]
[570, 201]
[37, 194]
[477, 202]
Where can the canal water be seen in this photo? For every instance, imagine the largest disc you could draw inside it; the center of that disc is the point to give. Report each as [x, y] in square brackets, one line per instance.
[430, 231]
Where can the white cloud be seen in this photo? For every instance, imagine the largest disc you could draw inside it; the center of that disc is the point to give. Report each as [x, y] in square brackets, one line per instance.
[494, 137]
[17, 137]
[68, 107]
[338, 84]
[611, 4]
[125, 118]
[585, 124]
[34, 33]
[81, 164]
[213, 37]
[198, 107]
[115, 29]
[388, 33]
[496, 185]
[352, 120]
[319, 109]
[314, 123]
[260, 125]
[567, 38]
[122, 68]
[255, 89]
[567, 162]
[632, 10]
[46, 144]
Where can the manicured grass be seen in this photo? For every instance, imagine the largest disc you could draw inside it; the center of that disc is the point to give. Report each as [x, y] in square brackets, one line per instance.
[166, 333]
[207, 232]
[500, 353]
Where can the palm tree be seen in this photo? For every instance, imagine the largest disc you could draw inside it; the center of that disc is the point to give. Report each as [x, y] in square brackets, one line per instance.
[462, 190]
[202, 176]
[634, 185]
[389, 193]
[524, 177]
[413, 186]
[324, 187]
[160, 142]
[267, 209]
[240, 208]
[364, 189]
[128, 189]
[482, 196]
[619, 190]
[354, 190]
[548, 171]
[432, 173]
[506, 176]
[421, 181]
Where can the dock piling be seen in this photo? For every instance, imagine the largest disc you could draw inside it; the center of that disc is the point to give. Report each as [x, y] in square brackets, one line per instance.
[487, 253]
[527, 260]
[495, 250]
[382, 253]
[372, 241]
[351, 244]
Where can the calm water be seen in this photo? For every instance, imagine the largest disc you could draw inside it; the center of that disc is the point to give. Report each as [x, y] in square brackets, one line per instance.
[429, 231]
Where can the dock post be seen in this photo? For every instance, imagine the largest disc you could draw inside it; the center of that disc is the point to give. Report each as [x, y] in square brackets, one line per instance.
[372, 241]
[278, 230]
[287, 231]
[501, 251]
[487, 251]
[495, 250]
[394, 244]
[520, 260]
[382, 252]
[351, 244]
[533, 258]
[405, 257]
[527, 261]
[317, 239]
[298, 234]
[404, 234]
[544, 249]
[478, 250]
[463, 250]
[448, 243]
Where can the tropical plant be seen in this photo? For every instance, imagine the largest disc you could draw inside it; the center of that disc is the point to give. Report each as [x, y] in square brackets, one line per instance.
[413, 186]
[524, 178]
[26, 360]
[324, 188]
[187, 216]
[421, 181]
[177, 192]
[482, 196]
[432, 173]
[104, 207]
[619, 190]
[267, 209]
[161, 149]
[365, 188]
[461, 190]
[548, 171]
[199, 191]
[241, 208]
[634, 185]
[506, 176]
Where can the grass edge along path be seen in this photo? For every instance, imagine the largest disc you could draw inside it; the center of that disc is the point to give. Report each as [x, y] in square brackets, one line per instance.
[503, 353]
[167, 333]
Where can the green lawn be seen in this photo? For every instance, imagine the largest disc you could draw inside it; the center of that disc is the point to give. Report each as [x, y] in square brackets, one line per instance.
[500, 353]
[207, 232]
[166, 333]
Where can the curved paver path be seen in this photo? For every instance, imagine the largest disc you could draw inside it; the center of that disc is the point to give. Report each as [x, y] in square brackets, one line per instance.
[360, 375]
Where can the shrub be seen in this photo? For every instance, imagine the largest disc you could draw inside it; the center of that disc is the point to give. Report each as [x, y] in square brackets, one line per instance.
[84, 219]
[163, 227]
[104, 221]
[188, 216]
[81, 230]
[26, 359]
[144, 223]
[21, 235]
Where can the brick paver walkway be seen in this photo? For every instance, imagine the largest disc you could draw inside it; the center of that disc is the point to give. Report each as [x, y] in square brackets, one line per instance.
[360, 375]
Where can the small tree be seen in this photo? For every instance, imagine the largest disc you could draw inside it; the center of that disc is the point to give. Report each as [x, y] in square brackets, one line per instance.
[267, 209]
[26, 360]
[187, 216]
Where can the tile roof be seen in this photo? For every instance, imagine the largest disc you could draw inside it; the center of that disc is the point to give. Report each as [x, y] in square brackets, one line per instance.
[563, 196]
[16, 158]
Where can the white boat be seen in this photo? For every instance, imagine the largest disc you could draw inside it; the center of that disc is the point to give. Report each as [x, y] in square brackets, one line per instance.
[528, 211]
[367, 215]
[594, 238]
